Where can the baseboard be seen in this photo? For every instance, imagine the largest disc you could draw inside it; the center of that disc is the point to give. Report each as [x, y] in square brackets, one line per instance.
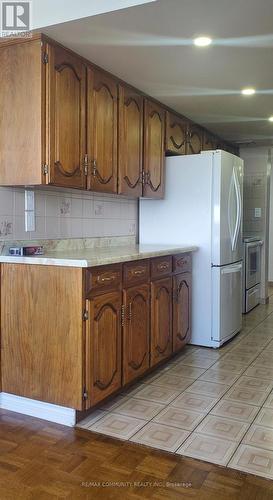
[39, 409]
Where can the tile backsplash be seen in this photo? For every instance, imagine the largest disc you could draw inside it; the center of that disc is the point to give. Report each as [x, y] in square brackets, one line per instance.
[61, 214]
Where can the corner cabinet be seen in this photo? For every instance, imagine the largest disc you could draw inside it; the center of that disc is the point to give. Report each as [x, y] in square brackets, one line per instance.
[154, 150]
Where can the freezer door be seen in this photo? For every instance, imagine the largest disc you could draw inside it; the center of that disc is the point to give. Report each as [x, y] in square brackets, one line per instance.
[227, 245]
[226, 302]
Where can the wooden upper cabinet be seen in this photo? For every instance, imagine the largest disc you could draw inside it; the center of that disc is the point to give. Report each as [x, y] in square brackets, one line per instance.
[102, 128]
[195, 139]
[154, 154]
[103, 370]
[66, 118]
[176, 134]
[136, 332]
[209, 142]
[161, 320]
[130, 142]
[182, 286]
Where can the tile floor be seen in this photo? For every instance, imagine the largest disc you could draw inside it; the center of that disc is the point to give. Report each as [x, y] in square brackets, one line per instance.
[214, 405]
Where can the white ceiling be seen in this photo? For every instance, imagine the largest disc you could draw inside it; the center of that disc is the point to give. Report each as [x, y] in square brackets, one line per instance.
[150, 46]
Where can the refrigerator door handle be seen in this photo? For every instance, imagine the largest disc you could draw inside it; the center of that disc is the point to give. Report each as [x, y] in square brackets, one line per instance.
[232, 232]
[239, 208]
[232, 269]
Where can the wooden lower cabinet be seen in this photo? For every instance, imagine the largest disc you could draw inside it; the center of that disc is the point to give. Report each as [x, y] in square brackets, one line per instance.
[182, 287]
[103, 370]
[136, 332]
[161, 320]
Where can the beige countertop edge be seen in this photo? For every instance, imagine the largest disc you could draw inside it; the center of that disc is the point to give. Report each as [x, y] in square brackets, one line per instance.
[69, 259]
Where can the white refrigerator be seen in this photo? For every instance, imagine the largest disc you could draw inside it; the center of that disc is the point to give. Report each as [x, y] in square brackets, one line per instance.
[203, 206]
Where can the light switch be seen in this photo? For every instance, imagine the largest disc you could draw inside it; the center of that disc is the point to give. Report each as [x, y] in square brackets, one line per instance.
[257, 212]
[29, 200]
[29, 221]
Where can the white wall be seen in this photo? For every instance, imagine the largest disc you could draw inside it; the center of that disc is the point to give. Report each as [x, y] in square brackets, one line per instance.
[257, 171]
[50, 12]
[270, 260]
[62, 214]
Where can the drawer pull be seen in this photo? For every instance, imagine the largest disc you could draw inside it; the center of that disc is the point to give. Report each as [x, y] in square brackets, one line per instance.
[139, 272]
[162, 267]
[106, 279]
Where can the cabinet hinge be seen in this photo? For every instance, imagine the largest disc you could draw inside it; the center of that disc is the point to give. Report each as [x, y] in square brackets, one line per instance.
[85, 164]
[45, 58]
[85, 394]
[143, 175]
[45, 169]
[85, 315]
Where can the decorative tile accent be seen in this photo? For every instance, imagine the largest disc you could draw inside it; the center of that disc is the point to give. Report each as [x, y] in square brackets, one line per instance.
[139, 408]
[179, 417]
[233, 366]
[198, 361]
[250, 396]
[91, 419]
[254, 383]
[261, 437]
[119, 426]
[225, 428]
[208, 448]
[244, 359]
[157, 394]
[265, 418]
[208, 388]
[236, 410]
[219, 376]
[194, 402]
[173, 382]
[253, 460]
[160, 436]
[260, 372]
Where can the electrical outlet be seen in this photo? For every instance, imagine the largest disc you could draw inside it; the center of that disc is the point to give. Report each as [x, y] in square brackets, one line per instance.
[29, 200]
[98, 208]
[257, 212]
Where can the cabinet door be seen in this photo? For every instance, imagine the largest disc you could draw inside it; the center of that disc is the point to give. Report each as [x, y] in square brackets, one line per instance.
[195, 139]
[161, 321]
[136, 332]
[209, 142]
[66, 118]
[103, 346]
[154, 154]
[182, 285]
[130, 142]
[102, 131]
[176, 134]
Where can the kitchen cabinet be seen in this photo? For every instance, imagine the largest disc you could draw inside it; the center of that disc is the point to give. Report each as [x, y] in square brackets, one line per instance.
[103, 369]
[182, 286]
[66, 118]
[176, 134]
[154, 154]
[209, 142]
[136, 332]
[102, 102]
[161, 320]
[195, 139]
[99, 328]
[130, 142]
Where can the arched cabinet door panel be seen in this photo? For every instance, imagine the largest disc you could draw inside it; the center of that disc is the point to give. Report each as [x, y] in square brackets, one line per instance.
[209, 142]
[154, 150]
[182, 289]
[195, 139]
[103, 346]
[130, 142]
[102, 101]
[161, 320]
[176, 134]
[65, 118]
[136, 332]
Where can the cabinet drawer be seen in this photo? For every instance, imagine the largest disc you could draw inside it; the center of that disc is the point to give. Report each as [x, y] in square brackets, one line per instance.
[102, 279]
[136, 272]
[182, 263]
[161, 266]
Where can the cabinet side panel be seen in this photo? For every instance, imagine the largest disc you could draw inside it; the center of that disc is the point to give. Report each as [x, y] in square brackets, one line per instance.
[21, 114]
[42, 336]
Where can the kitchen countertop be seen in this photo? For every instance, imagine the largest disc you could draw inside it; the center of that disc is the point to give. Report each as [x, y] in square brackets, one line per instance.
[98, 256]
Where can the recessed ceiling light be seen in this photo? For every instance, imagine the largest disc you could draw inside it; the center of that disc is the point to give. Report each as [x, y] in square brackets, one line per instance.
[248, 91]
[202, 41]
[270, 118]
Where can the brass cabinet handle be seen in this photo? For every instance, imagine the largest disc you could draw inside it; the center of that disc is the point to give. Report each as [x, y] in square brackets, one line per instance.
[94, 168]
[162, 267]
[138, 272]
[130, 312]
[106, 278]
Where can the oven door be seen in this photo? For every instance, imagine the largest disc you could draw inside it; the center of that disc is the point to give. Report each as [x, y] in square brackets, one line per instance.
[253, 264]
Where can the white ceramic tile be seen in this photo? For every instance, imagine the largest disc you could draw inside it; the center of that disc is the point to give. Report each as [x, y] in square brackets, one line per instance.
[119, 426]
[194, 402]
[208, 448]
[253, 460]
[221, 427]
[179, 417]
[265, 417]
[210, 389]
[173, 381]
[236, 410]
[160, 436]
[157, 394]
[261, 437]
[91, 419]
[6, 202]
[139, 408]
